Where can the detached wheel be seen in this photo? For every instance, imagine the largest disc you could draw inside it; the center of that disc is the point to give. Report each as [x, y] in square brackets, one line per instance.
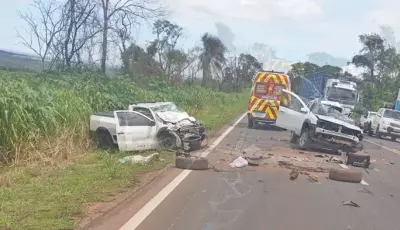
[250, 122]
[104, 140]
[294, 138]
[304, 139]
[193, 163]
[167, 140]
[345, 175]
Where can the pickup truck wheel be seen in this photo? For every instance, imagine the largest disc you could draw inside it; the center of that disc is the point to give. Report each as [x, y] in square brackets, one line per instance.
[393, 138]
[304, 139]
[167, 141]
[294, 138]
[369, 129]
[378, 134]
[250, 122]
[359, 147]
[104, 140]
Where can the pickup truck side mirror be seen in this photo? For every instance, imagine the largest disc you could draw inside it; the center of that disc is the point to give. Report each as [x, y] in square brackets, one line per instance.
[304, 110]
[152, 123]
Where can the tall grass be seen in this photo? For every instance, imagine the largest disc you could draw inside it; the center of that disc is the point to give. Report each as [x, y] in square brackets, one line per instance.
[46, 115]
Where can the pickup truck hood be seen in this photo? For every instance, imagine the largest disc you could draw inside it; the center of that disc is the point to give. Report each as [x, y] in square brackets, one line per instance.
[337, 121]
[174, 117]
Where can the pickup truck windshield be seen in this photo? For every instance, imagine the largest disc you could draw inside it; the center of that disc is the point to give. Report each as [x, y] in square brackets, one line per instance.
[344, 96]
[392, 114]
[170, 107]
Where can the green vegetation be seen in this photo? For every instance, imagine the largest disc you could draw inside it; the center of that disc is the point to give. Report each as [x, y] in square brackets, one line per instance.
[36, 109]
[51, 173]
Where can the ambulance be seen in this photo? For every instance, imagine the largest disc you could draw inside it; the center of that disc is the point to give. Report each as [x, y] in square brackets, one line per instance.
[266, 97]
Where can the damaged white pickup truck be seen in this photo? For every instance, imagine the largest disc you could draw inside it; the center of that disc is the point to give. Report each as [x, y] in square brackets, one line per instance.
[318, 125]
[147, 126]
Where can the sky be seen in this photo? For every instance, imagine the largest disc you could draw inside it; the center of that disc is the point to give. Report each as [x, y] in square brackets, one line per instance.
[293, 28]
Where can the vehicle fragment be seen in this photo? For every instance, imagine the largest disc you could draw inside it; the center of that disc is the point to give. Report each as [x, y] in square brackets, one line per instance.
[316, 126]
[294, 174]
[239, 162]
[350, 203]
[136, 159]
[358, 159]
[345, 175]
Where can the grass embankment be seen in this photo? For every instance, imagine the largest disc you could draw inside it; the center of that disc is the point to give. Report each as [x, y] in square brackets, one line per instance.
[51, 172]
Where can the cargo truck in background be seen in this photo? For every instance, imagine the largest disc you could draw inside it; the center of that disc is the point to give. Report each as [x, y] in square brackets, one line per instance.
[322, 85]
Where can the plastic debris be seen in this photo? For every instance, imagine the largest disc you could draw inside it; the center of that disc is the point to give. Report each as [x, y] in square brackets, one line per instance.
[239, 162]
[136, 159]
[350, 203]
[294, 174]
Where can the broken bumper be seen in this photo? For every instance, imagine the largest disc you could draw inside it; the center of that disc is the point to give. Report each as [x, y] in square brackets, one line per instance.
[335, 140]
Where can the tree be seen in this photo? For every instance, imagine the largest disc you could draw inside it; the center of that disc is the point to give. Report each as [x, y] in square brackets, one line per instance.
[41, 31]
[142, 9]
[370, 55]
[248, 65]
[163, 47]
[212, 57]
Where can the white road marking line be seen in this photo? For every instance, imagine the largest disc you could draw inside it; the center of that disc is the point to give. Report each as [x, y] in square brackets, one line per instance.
[146, 210]
[363, 182]
[344, 166]
[392, 150]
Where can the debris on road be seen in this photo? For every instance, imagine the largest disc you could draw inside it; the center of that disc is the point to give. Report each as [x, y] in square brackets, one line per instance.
[365, 190]
[191, 162]
[358, 159]
[138, 159]
[350, 203]
[345, 175]
[239, 162]
[294, 174]
[312, 177]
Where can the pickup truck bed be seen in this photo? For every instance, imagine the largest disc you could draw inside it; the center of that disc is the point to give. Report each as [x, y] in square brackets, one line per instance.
[105, 114]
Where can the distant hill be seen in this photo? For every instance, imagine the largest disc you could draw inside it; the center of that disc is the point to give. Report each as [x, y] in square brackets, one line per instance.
[17, 61]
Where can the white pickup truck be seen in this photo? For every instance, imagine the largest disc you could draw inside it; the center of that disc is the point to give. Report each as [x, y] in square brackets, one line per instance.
[386, 123]
[318, 125]
[147, 126]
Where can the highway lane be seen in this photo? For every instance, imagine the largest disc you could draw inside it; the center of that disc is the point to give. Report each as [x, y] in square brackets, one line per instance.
[264, 198]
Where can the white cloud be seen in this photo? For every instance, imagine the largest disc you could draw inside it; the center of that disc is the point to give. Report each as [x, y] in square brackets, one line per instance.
[255, 10]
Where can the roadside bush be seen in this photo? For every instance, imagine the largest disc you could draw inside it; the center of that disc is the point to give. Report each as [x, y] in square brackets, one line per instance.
[46, 115]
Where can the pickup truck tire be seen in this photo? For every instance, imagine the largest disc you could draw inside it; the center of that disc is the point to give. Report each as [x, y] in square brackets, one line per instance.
[104, 140]
[250, 122]
[167, 140]
[369, 131]
[191, 162]
[393, 138]
[294, 139]
[377, 133]
[345, 175]
[304, 139]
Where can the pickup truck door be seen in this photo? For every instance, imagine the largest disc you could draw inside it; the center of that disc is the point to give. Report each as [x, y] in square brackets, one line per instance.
[135, 131]
[292, 115]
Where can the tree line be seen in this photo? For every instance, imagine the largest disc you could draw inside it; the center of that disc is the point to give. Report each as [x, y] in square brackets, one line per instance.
[76, 34]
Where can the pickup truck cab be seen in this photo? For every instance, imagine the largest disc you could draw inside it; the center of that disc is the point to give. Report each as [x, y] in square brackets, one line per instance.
[145, 126]
[386, 123]
[318, 125]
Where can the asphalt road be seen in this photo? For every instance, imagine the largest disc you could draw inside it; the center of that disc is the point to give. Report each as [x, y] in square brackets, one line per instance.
[260, 198]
